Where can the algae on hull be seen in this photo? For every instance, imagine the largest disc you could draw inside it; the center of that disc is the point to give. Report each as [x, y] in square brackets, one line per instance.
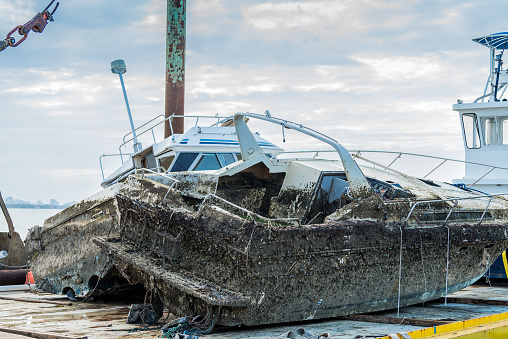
[271, 274]
[267, 240]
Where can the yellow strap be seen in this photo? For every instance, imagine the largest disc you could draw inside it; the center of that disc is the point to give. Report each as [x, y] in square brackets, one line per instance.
[505, 262]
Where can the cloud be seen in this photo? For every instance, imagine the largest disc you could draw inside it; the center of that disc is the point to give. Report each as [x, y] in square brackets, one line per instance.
[154, 15]
[293, 19]
[206, 8]
[403, 68]
[71, 174]
[370, 73]
[16, 12]
[212, 81]
[290, 15]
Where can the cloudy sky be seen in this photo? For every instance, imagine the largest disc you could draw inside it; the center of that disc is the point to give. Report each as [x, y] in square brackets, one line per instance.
[372, 74]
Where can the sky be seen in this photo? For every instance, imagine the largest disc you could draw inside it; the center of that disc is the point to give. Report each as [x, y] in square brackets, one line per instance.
[377, 75]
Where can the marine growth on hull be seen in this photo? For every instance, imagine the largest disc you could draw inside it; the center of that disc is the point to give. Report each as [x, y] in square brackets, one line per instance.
[266, 238]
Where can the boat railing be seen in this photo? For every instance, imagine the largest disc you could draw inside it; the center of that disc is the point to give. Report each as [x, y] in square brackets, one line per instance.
[356, 154]
[220, 119]
[149, 129]
[454, 202]
[109, 155]
[126, 140]
[399, 155]
[252, 215]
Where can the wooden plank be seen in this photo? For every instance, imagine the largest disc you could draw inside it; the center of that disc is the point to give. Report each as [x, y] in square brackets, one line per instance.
[10, 288]
[396, 320]
[34, 300]
[38, 335]
[475, 301]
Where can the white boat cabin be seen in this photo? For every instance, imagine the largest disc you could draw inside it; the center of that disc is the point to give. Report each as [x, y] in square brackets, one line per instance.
[200, 148]
[485, 124]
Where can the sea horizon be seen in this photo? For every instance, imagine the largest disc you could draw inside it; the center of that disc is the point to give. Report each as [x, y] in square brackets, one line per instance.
[25, 218]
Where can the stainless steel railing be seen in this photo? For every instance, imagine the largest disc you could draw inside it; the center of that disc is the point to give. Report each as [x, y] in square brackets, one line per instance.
[399, 155]
[250, 214]
[125, 141]
[455, 203]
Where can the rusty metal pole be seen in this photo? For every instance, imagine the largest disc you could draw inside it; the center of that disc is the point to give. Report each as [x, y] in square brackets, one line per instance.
[175, 65]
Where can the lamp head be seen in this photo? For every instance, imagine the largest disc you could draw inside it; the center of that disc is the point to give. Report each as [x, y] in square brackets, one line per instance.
[118, 66]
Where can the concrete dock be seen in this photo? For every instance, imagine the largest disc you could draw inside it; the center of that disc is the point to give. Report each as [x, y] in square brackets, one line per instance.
[49, 316]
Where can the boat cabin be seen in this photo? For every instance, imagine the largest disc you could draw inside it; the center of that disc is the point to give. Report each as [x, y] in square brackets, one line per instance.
[485, 124]
[200, 148]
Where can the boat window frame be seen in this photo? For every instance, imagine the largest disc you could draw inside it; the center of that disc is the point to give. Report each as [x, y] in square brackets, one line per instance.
[500, 137]
[201, 157]
[190, 166]
[194, 164]
[479, 132]
[490, 138]
[222, 159]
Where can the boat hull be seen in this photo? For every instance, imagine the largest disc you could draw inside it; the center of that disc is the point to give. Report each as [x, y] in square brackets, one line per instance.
[251, 274]
[64, 257]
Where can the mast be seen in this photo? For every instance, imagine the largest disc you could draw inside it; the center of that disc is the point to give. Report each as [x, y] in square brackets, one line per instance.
[175, 65]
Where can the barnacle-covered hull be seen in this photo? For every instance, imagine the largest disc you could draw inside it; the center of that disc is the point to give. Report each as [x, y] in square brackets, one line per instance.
[255, 273]
[64, 258]
[268, 240]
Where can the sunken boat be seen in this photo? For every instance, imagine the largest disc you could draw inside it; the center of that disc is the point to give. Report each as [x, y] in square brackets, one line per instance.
[272, 238]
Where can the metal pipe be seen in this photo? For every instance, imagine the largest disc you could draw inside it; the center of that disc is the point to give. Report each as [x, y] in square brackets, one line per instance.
[12, 277]
[137, 145]
[118, 67]
[175, 65]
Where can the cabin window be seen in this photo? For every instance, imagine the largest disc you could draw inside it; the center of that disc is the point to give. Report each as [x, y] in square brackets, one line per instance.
[208, 161]
[183, 161]
[493, 130]
[504, 126]
[490, 131]
[166, 162]
[226, 158]
[471, 133]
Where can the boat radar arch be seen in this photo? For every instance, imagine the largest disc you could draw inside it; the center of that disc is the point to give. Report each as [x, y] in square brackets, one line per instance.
[360, 187]
[498, 78]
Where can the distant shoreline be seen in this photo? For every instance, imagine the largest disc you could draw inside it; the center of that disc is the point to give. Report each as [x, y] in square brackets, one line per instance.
[46, 207]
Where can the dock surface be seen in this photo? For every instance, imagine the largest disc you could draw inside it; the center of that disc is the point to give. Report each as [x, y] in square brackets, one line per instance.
[54, 317]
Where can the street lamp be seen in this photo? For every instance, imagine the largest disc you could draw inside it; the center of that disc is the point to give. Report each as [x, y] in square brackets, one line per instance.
[118, 67]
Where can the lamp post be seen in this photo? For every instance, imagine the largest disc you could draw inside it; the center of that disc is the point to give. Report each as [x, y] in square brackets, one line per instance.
[118, 67]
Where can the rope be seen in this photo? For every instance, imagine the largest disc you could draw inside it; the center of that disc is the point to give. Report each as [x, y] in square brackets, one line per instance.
[192, 328]
[423, 264]
[99, 277]
[447, 264]
[400, 272]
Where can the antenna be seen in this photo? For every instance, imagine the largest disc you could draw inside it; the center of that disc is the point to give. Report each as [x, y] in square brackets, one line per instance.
[118, 67]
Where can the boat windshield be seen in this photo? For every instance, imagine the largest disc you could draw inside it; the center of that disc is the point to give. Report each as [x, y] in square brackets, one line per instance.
[194, 161]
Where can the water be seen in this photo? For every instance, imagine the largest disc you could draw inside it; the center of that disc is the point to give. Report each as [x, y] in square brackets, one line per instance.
[24, 218]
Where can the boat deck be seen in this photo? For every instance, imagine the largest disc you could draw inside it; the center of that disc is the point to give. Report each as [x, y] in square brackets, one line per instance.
[55, 317]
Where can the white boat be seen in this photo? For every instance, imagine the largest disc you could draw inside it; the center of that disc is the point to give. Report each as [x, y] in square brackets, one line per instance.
[485, 132]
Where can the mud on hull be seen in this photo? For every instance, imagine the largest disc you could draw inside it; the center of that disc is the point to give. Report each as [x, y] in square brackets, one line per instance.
[63, 255]
[248, 273]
